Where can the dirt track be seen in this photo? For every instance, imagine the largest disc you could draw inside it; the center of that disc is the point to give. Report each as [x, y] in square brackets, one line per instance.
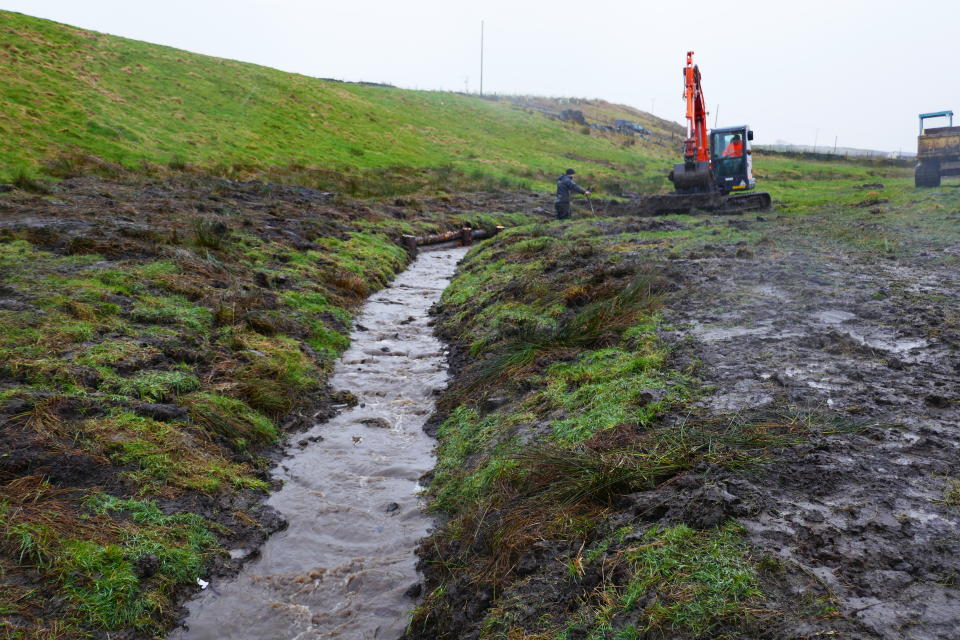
[863, 518]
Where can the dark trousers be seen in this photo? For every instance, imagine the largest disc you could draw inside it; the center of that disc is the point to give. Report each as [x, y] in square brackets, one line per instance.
[563, 210]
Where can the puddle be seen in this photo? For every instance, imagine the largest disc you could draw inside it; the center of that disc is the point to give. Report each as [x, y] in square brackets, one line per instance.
[770, 291]
[342, 567]
[717, 334]
[834, 317]
[889, 344]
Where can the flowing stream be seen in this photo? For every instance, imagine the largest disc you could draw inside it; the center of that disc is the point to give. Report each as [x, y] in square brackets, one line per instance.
[342, 567]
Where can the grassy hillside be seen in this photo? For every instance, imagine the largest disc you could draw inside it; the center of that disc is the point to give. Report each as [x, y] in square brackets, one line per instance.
[130, 102]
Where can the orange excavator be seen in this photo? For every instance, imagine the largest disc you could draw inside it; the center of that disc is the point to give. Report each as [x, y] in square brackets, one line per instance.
[717, 169]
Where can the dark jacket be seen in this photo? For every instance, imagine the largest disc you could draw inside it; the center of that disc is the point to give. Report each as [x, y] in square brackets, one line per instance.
[565, 185]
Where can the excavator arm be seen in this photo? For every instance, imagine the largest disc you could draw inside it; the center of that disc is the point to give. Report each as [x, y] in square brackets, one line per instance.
[696, 148]
[694, 174]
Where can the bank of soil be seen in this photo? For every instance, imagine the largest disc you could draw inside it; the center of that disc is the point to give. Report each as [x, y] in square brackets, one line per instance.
[159, 337]
[848, 516]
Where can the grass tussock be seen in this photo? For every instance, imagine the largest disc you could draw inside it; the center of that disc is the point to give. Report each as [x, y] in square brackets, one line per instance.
[30, 183]
[230, 418]
[687, 580]
[559, 491]
[210, 234]
[36, 517]
[276, 373]
[598, 324]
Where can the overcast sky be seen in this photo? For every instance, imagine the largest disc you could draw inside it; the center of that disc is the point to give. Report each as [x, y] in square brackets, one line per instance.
[856, 70]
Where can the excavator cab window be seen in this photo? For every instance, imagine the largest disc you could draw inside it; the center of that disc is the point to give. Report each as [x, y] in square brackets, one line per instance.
[729, 150]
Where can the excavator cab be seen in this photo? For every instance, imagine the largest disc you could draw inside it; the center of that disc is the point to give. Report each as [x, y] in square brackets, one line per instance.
[731, 158]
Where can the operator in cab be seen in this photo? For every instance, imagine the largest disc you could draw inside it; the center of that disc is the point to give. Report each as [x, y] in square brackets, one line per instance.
[565, 185]
[735, 148]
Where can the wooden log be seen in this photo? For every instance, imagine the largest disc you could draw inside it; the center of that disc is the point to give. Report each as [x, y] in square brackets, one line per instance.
[437, 238]
[465, 236]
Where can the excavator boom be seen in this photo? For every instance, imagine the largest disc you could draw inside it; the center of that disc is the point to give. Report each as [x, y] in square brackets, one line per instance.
[695, 147]
[694, 174]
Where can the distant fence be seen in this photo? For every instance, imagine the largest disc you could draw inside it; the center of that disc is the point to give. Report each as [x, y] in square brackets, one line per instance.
[879, 161]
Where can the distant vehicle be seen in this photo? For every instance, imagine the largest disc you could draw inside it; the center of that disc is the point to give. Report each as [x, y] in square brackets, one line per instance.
[938, 151]
[628, 126]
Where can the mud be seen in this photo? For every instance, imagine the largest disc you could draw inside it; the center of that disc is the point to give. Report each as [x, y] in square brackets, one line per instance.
[345, 567]
[134, 220]
[862, 516]
[852, 531]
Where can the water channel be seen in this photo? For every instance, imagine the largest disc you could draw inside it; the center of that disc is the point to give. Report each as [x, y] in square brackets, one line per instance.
[342, 567]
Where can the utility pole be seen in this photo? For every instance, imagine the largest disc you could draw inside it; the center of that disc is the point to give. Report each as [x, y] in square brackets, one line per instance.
[815, 137]
[835, 144]
[466, 84]
[481, 58]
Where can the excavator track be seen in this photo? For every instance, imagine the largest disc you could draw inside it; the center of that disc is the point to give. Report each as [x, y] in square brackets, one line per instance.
[744, 202]
[710, 202]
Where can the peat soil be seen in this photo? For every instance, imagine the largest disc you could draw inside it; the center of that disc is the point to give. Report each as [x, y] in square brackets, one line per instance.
[134, 220]
[854, 530]
[871, 516]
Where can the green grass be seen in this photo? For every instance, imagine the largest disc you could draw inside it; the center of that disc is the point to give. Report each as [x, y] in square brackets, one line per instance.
[101, 579]
[230, 418]
[604, 389]
[700, 577]
[275, 373]
[90, 552]
[130, 102]
[691, 583]
[172, 310]
[161, 458]
[370, 256]
[459, 481]
[153, 386]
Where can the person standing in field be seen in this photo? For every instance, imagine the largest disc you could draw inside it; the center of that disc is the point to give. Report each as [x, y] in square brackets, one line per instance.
[565, 185]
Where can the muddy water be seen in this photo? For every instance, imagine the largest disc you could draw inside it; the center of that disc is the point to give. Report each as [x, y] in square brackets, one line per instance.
[351, 496]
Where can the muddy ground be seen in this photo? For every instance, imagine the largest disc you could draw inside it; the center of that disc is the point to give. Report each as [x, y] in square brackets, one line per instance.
[853, 529]
[231, 254]
[869, 515]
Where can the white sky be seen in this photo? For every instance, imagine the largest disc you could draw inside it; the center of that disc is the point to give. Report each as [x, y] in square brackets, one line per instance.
[802, 71]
